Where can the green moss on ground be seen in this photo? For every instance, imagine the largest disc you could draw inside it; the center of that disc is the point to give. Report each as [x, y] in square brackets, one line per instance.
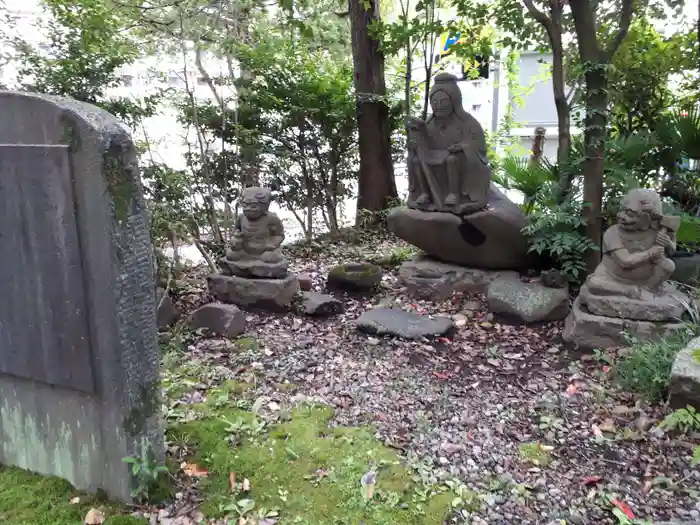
[30, 499]
[308, 472]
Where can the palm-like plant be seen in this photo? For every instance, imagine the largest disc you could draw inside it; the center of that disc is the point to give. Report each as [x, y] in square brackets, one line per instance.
[533, 180]
[679, 134]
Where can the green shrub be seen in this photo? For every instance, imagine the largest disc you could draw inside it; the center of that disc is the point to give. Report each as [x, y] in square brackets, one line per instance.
[689, 232]
[558, 233]
[646, 369]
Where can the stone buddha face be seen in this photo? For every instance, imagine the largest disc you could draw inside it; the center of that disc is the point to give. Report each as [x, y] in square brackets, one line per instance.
[441, 104]
[637, 210]
[255, 203]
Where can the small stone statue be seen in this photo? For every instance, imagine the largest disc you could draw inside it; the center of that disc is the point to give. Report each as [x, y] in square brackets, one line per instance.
[629, 294]
[255, 247]
[636, 250]
[447, 163]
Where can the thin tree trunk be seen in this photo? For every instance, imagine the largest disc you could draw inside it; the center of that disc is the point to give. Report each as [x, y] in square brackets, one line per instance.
[377, 187]
[596, 60]
[553, 26]
[594, 164]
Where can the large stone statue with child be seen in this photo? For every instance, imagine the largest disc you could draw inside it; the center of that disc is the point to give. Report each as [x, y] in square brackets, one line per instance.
[629, 291]
[454, 213]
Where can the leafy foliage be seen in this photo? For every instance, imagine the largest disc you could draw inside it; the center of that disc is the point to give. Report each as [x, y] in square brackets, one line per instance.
[558, 234]
[646, 369]
[686, 420]
[88, 43]
[531, 179]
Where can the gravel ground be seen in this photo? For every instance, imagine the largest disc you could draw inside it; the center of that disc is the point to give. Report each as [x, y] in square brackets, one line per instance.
[464, 407]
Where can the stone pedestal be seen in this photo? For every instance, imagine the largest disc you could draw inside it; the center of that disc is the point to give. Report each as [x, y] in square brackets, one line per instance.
[588, 330]
[667, 307]
[273, 294]
[431, 280]
[489, 239]
[254, 268]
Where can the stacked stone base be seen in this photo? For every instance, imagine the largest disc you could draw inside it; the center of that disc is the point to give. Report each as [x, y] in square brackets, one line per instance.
[270, 294]
[588, 330]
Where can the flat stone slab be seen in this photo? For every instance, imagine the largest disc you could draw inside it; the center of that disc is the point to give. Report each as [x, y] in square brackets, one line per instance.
[271, 294]
[407, 325]
[685, 377]
[489, 239]
[668, 307]
[225, 320]
[315, 303]
[588, 330]
[428, 279]
[528, 302]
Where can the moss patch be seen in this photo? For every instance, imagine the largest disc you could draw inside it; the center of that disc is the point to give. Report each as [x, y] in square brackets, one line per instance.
[29, 499]
[308, 472]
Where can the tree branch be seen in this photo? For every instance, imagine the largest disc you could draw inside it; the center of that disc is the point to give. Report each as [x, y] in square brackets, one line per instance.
[537, 14]
[625, 21]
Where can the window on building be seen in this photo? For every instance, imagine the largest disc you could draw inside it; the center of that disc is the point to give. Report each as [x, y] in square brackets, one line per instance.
[127, 80]
[174, 80]
[476, 108]
[201, 81]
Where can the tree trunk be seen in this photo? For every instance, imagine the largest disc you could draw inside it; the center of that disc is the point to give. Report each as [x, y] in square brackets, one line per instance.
[563, 115]
[377, 187]
[596, 61]
[594, 164]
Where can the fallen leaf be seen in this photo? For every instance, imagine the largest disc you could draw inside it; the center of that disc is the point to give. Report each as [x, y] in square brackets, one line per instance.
[606, 369]
[596, 431]
[571, 390]
[94, 517]
[441, 375]
[591, 480]
[232, 481]
[246, 485]
[193, 470]
[607, 426]
[75, 500]
[627, 511]
[444, 340]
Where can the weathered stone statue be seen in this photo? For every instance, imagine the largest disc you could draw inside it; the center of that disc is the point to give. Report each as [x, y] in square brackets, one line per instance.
[629, 291]
[447, 163]
[454, 212]
[254, 272]
[255, 248]
[636, 250]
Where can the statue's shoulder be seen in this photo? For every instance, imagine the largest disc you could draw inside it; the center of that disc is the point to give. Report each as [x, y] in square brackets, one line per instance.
[612, 240]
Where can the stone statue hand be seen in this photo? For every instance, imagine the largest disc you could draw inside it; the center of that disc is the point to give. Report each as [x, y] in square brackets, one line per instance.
[663, 240]
[455, 148]
[655, 253]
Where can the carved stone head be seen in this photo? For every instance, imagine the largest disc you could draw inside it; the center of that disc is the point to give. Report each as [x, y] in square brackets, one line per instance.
[445, 96]
[255, 202]
[638, 209]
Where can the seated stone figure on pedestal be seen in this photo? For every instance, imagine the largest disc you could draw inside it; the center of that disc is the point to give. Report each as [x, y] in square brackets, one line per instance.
[255, 247]
[629, 290]
[454, 212]
[636, 250]
[447, 164]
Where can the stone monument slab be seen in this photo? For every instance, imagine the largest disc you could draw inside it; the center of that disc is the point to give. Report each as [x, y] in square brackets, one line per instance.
[79, 364]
